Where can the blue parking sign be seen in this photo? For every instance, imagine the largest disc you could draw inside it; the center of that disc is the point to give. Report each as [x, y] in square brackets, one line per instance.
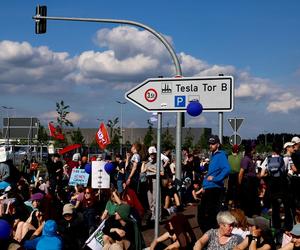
[179, 101]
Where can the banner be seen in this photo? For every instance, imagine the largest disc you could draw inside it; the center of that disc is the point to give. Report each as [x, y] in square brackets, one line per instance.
[100, 179]
[95, 241]
[79, 176]
[102, 137]
[54, 132]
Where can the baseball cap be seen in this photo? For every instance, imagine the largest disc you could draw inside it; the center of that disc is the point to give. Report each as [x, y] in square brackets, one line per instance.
[152, 150]
[68, 209]
[288, 144]
[213, 139]
[260, 222]
[296, 230]
[296, 139]
[76, 157]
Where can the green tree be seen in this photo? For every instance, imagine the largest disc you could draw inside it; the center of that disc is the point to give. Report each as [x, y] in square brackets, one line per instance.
[149, 135]
[77, 137]
[188, 140]
[112, 126]
[62, 111]
[167, 140]
[62, 121]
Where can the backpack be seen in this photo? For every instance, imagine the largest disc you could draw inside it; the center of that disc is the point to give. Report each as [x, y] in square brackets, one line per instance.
[276, 166]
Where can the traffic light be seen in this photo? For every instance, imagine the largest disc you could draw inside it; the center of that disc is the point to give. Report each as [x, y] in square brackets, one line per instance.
[40, 24]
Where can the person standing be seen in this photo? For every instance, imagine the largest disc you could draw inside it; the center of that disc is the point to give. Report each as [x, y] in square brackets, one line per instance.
[55, 171]
[234, 160]
[249, 183]
[132, 166]
[25, 165]
[296, 173]
[213, 186]
[273, 169]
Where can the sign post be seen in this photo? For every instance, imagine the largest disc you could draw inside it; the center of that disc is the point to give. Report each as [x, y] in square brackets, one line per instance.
[235, 124]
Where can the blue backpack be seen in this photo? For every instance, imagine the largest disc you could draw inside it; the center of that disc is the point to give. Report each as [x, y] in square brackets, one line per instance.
[276, 167]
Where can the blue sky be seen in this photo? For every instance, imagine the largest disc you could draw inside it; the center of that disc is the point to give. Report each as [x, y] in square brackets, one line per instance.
[90, 65]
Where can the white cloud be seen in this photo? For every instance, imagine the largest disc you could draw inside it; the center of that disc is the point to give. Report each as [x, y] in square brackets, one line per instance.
[191, 65]
[285, 103]
[105, 65]
[49, 116]
[215, 70]
[22, 65]
[128, 41]
[52, 115]
[255, 91]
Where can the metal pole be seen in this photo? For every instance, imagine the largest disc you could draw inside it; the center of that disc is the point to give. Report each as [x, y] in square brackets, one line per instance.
[221, 126]
[234, 130]
[121, 130]
[168, 47]
[121, 126]
[178, 146]
[158, 166]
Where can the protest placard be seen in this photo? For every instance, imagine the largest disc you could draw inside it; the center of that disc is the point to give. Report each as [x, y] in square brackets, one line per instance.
[79, 176]
[100, 179]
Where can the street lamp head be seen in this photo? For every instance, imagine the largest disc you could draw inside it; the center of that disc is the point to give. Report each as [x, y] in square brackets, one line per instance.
[121, 102]
[5, 107]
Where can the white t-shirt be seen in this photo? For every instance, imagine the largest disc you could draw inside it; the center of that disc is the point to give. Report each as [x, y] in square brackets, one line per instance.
[135, 158]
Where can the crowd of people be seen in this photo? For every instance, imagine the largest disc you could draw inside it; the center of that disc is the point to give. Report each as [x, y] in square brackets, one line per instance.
[243, 201]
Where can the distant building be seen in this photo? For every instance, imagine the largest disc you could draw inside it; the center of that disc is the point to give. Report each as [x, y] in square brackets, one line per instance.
[20, 128]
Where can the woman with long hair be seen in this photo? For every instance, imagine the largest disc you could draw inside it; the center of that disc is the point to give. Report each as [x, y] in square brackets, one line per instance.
[89, 209]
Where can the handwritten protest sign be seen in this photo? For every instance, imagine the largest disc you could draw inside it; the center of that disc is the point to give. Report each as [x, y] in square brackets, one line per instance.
[79, 176]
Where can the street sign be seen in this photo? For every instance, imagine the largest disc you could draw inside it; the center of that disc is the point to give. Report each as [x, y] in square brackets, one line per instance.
[174, 94]
[235, 139]
[235, 123]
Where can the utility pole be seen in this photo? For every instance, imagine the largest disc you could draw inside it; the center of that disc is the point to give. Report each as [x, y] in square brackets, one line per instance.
[121, 126]
[40, 28]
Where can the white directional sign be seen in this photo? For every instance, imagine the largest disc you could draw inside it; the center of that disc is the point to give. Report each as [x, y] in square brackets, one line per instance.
[174, 94]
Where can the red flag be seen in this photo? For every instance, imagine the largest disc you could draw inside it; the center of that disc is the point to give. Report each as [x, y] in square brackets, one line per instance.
[54, 132]
[68, 148]
[102, 137]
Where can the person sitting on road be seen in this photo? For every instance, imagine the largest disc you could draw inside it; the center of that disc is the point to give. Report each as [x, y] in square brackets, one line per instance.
[179, 232]
[121, 231]
[260, 236]
[222, 237]
[291, 240]
[241, 227]
[111, 205]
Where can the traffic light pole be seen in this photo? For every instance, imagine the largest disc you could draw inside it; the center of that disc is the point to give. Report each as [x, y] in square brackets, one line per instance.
[39, 17]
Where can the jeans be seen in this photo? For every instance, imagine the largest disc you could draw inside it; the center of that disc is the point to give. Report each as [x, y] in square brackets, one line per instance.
[120, 186]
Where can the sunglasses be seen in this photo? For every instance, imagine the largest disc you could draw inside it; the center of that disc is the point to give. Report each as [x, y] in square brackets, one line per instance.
[87, 193]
